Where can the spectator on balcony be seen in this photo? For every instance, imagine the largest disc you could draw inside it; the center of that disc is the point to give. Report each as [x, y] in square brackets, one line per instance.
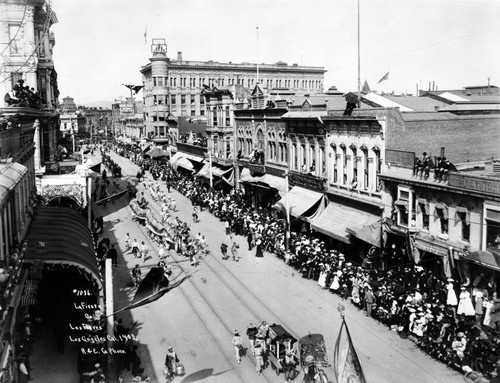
[11, 98]
[417, 166]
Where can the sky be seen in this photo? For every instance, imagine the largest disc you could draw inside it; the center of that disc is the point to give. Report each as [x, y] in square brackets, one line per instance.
[100, 44]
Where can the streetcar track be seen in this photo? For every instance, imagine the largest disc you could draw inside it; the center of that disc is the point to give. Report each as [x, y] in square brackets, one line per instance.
[254, 312]
[177, 262]
[225, 280]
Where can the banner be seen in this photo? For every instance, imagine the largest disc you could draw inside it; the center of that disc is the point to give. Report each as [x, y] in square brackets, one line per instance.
[346, 364]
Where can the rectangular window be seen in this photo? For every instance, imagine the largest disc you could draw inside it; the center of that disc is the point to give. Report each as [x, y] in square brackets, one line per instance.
[154, 81]
[403, 207]
[160, 81]
[183, 99]
[441, 213]
[465, 223]
[423, 208]
[193, 99]
[172, 100]
[193, 112]
[15, 35]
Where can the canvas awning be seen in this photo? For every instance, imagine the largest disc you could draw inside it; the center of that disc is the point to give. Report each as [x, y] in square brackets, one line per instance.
[183, 163]
[60, 235]
[216, 171]
[269, 180]
[336, 218]
[487, 258]
[370, 233]
[10, 175]
[192, 157]
[300, 201]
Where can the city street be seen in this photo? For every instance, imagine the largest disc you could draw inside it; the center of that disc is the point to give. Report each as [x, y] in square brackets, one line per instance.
[198, 318]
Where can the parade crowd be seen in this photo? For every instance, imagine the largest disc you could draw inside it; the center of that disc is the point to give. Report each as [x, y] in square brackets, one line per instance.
[455, 322]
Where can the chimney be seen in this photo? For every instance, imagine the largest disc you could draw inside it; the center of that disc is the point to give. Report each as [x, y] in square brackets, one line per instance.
[436, 108]
[179, 56]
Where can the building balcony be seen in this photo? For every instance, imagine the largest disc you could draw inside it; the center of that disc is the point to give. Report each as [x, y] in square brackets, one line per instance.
[371, 197]
[219, 129]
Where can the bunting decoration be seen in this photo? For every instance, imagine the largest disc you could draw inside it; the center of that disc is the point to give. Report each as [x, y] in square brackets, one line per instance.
[346, 364]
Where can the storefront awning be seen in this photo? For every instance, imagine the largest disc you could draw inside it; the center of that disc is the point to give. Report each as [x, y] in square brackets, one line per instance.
[336, 218]
[216, 171]
[487, 258]
[183, 163]
[300, 201]
[369, 233]
[192, 157]
[267, 180]
[60, 235]
[10, 175]
[275, 182]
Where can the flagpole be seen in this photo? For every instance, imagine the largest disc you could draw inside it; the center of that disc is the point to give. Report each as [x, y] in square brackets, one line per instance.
[257, 81]
[359, 64]
[210, 168]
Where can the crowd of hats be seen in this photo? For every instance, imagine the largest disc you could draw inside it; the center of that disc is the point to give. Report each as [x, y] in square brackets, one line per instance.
[409, 300]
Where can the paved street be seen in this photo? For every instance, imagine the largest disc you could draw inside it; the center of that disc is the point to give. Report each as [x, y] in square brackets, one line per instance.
[198, 318]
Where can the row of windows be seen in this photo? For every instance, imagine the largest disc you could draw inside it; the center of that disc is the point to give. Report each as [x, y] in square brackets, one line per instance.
[184, 98]
[249, 82]
[414, 213]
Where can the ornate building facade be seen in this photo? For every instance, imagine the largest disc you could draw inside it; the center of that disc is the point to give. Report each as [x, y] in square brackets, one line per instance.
[174, 87]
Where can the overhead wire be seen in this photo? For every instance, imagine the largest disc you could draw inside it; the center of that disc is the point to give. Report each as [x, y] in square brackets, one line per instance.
[18, 30]
[45, 30]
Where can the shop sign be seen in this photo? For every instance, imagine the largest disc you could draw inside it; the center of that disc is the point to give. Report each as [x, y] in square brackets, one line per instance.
[430, 248]
[306, 181]
[275, 172]
[474, 183]
[256, 168]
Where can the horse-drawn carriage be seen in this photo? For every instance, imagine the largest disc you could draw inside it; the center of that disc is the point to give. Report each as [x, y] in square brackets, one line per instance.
[313, 358]
[280, 341]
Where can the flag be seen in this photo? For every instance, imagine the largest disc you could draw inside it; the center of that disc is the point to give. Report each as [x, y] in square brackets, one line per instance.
[346, 364]
[146, 35]
[135, 88]
[411, 249]
[366, 88]
[112, 197]
[154, 285]
[386, 76]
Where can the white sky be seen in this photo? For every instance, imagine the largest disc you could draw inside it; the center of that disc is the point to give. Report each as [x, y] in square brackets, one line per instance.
[100, 43]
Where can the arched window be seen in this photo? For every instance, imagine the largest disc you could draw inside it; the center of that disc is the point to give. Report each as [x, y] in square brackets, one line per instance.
[378, 164]
[333, 154]
[321, 165]
[366, 168]
[343, 150]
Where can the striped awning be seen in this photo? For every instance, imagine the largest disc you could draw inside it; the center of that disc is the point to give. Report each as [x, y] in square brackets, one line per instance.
[10, 175]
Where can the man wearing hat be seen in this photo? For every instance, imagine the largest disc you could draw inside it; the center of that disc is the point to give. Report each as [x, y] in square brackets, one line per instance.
[237, 341]
[171, 361]
[252, 331]
[289, 364]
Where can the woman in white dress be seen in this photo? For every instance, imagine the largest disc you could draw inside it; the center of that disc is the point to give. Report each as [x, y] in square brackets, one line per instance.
[451, 298]
[465, 306]
[322, 277]
[335, 283]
